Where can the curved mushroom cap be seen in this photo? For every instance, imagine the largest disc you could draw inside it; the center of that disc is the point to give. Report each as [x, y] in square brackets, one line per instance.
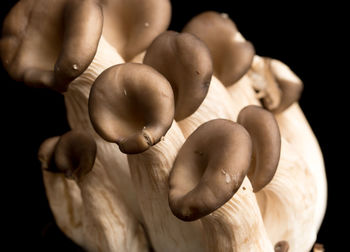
[232, 54]
[49, 43]
[130, 26]
[46, 153]
[209, 169]
[186, 62]
[132, 105]
[281, 246]
[265, 134]
[75, 154]
[291, 86]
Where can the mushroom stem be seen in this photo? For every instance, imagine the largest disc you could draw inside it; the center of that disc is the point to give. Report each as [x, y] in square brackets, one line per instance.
[217, 104]
[150, 171]
[66, 205]
[237, 225]
[76, 100]
[287, 203]
[108, 224]
[298, 133]
[63, 195]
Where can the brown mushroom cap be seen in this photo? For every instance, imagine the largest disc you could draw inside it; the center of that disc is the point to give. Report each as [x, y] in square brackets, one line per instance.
[265, 134]
[130, 26]
[209, 168]
[186, 62]
[232, 54]
[290, 85]
[281, 246]
[75, 154]
[132, 105]
[49, 43]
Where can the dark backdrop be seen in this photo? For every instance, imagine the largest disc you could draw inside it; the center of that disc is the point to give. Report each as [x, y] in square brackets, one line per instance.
[307, 38]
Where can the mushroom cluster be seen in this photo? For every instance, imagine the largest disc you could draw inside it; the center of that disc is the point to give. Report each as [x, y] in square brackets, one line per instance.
[179, 141]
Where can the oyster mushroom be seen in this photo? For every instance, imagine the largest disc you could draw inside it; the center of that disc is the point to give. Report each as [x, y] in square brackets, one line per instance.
[205, 183]
[140, 120]
[243, 94]
[106, 224]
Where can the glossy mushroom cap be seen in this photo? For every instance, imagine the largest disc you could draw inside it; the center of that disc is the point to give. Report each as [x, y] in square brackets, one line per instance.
[232, 54]
[72, 154]
[132, 105]
[49, 43]
[266, 138]
[186, 62]
[209, 169]
[75, 154]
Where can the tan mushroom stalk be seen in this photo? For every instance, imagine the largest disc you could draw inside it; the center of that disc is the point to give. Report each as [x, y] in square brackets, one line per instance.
[133, 105]
[107, 225]
[49, 44]
[63, 194]
[207, 176]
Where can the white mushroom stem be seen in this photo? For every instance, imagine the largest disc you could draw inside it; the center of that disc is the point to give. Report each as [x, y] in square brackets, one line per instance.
[217, 104]
[237, 225]
[297, 131]
[150, 171]
[109, 225]
[287, 203]
[76, 99]
[66, 204]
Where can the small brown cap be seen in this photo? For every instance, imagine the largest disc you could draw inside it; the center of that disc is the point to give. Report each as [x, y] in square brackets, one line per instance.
[132, 105]
[282, 246]
[72, 154]
[265, 134]
[50, 43]
[209, 169]
[75, 154]
[232, 54]
[186, 62]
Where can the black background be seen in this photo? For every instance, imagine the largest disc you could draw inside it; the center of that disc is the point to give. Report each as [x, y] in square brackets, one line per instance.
[308, 38]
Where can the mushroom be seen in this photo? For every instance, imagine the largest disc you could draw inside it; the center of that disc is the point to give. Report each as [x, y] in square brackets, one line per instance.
[114, 227]
[50, 43]
[140, 121]
[275, 97]
[63, 194]
[265, 133]
[293, 124]
[232, 54]
[137, 107]
[205, 183]
[186, 62]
